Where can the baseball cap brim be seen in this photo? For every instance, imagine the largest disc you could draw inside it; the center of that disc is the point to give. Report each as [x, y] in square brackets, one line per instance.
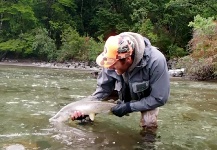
[104, 61]
[115, 48]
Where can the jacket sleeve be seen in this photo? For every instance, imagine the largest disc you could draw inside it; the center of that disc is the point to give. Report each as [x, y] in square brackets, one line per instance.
[160, 87]
[105, 84]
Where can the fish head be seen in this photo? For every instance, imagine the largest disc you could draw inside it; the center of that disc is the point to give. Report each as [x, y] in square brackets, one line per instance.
[60, 117]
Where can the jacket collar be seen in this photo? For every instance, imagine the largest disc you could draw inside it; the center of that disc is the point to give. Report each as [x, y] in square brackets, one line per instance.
[145, 59]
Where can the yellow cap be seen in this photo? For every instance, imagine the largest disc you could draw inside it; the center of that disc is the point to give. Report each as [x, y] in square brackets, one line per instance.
[116, 47]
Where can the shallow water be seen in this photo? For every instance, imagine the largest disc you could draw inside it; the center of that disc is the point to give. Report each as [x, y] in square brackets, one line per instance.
[30, 96]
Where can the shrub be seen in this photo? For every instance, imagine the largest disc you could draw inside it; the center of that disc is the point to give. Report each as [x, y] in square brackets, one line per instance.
[94, 49]
[77, 47]
[72, 47]
[43, 45]
[199, 69]
[204, 41]
[201, 64]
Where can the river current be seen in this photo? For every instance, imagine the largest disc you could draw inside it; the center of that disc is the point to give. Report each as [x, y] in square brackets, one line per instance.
[29, 96]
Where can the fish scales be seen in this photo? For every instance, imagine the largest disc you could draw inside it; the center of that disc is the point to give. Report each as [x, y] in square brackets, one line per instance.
[86, 107]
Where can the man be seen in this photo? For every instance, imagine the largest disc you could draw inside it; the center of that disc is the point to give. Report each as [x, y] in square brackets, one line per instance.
[138, 71]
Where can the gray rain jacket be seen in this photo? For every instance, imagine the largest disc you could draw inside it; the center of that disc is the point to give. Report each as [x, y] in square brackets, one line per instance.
[146, 84]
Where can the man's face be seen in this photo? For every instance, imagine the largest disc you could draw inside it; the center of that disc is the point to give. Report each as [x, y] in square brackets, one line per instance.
[121, 66]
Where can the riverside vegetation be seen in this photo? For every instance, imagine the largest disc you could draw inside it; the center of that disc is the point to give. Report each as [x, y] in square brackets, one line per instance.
[66, 30]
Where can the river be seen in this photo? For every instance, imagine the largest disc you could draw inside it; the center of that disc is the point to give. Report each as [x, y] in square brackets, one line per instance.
[31, 95]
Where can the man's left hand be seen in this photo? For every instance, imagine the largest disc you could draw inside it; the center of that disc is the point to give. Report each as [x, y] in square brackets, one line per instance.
[121, 109]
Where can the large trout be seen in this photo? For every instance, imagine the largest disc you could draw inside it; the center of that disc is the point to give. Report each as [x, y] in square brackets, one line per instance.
[86, 107]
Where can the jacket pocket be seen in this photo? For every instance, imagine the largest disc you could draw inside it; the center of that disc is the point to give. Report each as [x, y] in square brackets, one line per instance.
[141, 88]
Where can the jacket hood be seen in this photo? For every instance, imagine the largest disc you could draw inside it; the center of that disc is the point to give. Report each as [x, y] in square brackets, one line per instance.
[139, 47]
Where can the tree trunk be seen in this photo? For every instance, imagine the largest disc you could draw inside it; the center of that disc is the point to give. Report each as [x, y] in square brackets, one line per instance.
[2, 55]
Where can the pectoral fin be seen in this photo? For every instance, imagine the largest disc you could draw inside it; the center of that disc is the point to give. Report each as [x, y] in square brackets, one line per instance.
[92, 116]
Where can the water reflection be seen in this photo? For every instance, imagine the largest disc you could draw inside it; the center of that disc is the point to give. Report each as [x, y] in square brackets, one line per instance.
[30, 96]
[96, 135]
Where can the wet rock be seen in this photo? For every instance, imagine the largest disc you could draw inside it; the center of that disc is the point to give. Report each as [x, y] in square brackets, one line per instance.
[82, 65]
[177, 72]
[95, 74]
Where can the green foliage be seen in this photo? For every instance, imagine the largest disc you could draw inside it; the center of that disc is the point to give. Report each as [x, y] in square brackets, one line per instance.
[43, 46]
[147, 29]
[55, 16]
[17, 18]
[175, 52]
[68, 29]
[204, 41]
[206, 8]
[108, 21]
[73, 46]
[22, 45]
[94, 49]
[26, 42]
[201, 64]
[11, 45]
[67, 3]
[111, 16]
[139, 14]
[77, 47]
[203, 26]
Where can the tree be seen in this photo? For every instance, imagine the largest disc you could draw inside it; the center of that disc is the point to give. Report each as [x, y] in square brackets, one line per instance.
[16, 18]
[204, 41]
[55, 16]
[43, 46]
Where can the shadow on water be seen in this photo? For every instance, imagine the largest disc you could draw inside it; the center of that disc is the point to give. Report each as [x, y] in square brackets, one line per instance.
[102, 135]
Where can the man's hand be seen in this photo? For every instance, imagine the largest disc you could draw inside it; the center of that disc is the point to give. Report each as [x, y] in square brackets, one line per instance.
[121, 109]
[77, 115]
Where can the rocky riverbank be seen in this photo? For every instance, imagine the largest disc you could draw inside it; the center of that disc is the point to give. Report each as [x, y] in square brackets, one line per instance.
[66, 65]
[75, 65]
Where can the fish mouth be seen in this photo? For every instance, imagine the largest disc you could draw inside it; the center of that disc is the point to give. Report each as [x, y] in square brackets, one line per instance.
[54, 119]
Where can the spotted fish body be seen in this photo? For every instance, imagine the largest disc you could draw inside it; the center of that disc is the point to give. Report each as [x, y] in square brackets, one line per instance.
[86, 107]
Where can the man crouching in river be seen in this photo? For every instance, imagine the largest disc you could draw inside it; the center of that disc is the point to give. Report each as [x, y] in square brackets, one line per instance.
[138, 71]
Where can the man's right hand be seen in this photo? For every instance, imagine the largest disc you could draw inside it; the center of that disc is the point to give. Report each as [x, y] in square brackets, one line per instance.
[77, 115]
